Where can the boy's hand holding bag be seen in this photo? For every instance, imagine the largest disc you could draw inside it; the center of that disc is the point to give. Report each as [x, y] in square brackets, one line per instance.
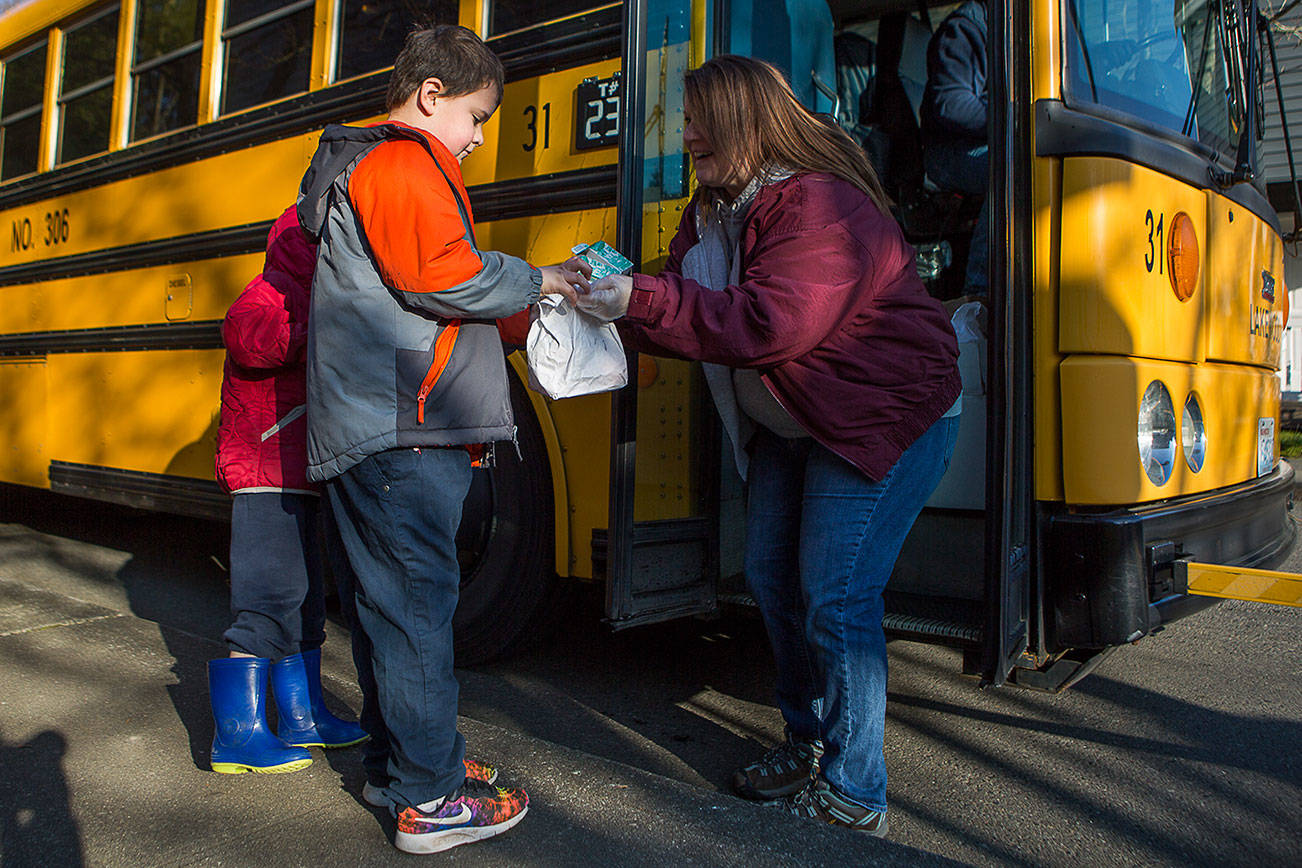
[571, 353]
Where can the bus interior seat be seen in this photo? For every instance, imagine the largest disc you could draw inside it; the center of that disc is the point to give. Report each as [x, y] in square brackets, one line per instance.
[854, 77]
[894, 140]
[887, 127]
[913, 62]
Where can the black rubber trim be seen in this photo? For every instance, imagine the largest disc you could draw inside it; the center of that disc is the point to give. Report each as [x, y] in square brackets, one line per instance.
[1097, 575]
[1065, 132]
[201, 498]
[566, 44]
[232, 241]
[199, 335]
[580, 190]
[563, 45]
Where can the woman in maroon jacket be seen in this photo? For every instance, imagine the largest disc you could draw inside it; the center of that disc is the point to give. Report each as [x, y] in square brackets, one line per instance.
[836, 377]
[277, 594]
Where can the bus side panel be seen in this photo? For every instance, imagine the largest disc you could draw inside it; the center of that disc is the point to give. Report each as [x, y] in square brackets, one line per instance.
[581, 426]
[234, 189]
[1101, 397]
[532, 132]
[1046, 400]
[23, 431]
[153, 411]
[1116, 288]
[1246, 297]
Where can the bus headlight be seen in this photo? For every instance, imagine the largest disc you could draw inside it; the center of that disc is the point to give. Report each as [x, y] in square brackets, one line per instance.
[1193, 436]
[1157, 433]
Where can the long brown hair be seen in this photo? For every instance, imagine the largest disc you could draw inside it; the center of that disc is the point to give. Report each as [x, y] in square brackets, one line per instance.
[754, 122]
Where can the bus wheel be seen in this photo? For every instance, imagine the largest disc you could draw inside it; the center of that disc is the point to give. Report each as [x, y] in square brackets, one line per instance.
[505, 546]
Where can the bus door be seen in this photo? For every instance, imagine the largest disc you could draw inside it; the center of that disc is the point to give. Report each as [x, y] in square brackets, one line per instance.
[671, 541]
[965, 576]
[1010, 498]
[661, 547]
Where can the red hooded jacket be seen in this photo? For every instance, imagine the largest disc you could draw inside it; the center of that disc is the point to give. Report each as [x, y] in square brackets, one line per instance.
[262, 439]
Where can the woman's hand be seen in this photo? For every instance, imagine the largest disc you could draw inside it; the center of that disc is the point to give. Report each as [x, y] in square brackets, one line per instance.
[568, 279]
[607, 300]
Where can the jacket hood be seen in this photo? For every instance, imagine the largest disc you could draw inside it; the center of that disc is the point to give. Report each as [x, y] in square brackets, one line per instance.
[289, 250]
[341, 146]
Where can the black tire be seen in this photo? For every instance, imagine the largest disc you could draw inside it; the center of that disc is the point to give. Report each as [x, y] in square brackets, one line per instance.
[505, 546]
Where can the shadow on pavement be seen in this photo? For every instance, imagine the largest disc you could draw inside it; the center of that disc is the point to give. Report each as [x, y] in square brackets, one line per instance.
[36, 823]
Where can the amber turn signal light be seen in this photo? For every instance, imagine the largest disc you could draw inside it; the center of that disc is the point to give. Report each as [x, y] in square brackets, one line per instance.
[1182, 256]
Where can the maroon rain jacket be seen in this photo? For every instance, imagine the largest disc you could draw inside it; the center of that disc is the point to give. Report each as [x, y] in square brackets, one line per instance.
[830, 310]
[262, 438]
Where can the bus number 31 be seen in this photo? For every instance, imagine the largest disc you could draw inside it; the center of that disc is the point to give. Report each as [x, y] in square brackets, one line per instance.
[56, 231]
[1156, 254]
[531, 112]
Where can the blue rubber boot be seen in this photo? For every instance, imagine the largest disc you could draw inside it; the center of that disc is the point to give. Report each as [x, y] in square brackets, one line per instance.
[243, 742]
[304, 718]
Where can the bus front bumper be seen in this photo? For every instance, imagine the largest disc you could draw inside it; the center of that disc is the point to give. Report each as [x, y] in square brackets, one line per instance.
[1111, 577]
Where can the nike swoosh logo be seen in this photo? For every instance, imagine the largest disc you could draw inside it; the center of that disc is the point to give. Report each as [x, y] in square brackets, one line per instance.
[459, 819]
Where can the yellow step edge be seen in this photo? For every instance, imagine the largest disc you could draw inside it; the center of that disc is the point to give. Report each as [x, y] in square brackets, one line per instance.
[1242, 583]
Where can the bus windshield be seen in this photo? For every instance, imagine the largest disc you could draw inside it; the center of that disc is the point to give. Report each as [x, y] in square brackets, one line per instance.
[1180, 66]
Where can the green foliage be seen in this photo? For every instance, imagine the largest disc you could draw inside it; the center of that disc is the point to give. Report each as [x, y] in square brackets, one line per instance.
[1290, 443]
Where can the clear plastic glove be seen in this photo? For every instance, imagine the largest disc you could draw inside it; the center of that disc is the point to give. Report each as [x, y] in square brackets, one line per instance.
[607, 299]
[569, 279]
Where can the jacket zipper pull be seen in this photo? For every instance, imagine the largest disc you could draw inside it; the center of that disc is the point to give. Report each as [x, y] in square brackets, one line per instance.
[516, 443]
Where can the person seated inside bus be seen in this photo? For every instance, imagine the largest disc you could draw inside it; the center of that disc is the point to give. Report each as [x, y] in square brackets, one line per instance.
[835, 374]
[956, 149]
[403, 295]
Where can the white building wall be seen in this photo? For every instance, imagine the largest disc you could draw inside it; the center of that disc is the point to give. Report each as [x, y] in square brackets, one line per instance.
[1288, 52]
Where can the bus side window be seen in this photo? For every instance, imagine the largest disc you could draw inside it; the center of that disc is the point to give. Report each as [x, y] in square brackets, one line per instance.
[371, 34]
[20, 112]
[505, 16]
[165, 67]
[86, 87]
[268, 51]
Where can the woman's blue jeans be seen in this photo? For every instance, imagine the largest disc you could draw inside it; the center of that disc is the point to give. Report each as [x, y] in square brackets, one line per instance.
[821, 541]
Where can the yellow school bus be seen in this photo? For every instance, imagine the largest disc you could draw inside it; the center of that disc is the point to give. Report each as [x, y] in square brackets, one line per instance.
[1120, 404]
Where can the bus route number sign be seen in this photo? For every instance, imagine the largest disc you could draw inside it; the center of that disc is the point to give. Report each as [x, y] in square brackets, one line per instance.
[596, 119]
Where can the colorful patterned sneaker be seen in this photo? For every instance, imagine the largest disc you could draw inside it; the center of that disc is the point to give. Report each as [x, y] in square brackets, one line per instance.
[375, 797]
[820, 801]
[782, 772]
[473, 813]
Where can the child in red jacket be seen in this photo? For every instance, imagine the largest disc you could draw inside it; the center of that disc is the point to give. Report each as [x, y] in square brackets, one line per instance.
[277, 594]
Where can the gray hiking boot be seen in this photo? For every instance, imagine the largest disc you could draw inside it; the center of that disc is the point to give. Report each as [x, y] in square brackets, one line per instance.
[820, 801]
[783, 771]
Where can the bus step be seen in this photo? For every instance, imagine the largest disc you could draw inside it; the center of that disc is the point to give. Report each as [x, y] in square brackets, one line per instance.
[901, 626]
[1239, 583]
[917, 627]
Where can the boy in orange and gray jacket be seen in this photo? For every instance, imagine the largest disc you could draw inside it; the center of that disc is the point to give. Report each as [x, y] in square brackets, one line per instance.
[406, 380]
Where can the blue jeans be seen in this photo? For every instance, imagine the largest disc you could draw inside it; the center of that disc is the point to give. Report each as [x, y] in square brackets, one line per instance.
[821, 541]
[963, 167]
[277, 593]
[396, 515]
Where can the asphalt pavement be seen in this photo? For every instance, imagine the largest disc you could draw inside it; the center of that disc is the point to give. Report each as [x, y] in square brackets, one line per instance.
[105, 732]
[1180, 750]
